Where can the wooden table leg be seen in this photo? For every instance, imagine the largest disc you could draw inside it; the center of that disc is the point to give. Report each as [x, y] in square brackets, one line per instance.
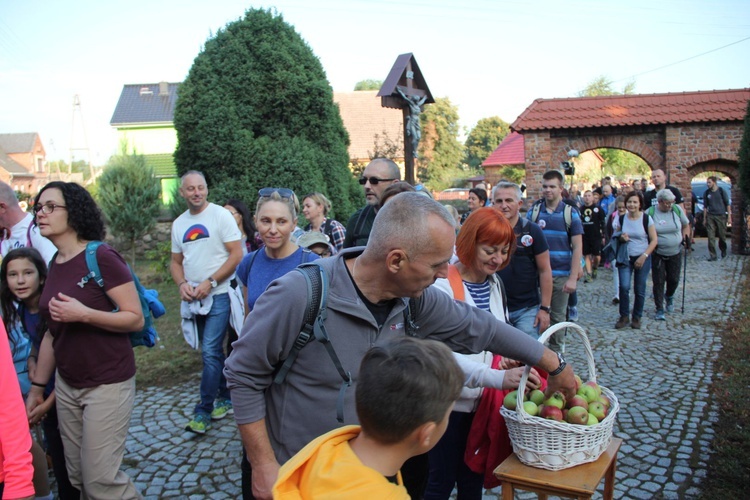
[609, 480]
[507, 491]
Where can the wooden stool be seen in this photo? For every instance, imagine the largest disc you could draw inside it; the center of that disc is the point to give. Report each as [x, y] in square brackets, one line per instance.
[577, 482]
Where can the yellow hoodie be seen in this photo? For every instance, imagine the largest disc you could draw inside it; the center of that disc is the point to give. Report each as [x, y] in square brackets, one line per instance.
[328, 468]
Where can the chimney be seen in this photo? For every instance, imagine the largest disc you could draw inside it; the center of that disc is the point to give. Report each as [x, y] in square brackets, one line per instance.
[163, 88]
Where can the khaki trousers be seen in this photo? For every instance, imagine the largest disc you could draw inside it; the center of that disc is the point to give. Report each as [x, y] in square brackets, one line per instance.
[93, 425]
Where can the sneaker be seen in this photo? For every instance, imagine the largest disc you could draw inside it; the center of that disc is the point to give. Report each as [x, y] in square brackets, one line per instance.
[573, 313]
[199, 425]
[670, 304]
[593, 273]
[659, 316]
[222, 408]
[587, 279]
[724, 254]
[622, 322]
[636, 323]
[615, 301]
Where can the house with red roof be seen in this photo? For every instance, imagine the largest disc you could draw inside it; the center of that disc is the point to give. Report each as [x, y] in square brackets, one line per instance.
[23, 162]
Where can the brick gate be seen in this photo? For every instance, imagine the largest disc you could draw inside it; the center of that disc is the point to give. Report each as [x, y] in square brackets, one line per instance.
[683, 134]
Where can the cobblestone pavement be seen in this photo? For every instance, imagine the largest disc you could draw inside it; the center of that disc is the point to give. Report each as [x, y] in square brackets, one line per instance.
[660, 374]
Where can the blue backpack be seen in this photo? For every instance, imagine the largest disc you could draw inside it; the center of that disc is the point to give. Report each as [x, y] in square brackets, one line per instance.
[150, 304]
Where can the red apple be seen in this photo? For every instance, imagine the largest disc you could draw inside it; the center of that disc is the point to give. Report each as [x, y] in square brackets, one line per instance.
[578, 400]
[551, 413]
[579, 382]
[593, 384]
[588, 392]
[578, 415]
[605, 401]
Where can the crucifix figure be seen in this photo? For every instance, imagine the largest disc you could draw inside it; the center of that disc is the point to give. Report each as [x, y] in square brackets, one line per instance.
[413, 126]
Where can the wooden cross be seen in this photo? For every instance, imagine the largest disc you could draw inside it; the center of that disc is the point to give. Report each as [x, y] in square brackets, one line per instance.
[405, 88]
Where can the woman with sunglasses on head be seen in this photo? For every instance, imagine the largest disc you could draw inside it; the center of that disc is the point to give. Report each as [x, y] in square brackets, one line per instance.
[87, 341]
[276, 219]
[315, 207]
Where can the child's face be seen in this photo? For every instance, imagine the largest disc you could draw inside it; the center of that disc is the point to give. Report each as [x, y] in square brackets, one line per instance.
[23, 279]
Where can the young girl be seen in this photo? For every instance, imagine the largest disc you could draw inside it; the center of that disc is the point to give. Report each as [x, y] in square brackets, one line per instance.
[22, 277]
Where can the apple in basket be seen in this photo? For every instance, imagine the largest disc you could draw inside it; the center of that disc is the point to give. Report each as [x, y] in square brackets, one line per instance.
[603, 399]
[551, 413]
[592, 420]
[598, 410]
[578, 415]
[596, 386]
[531, 408]
[510, 400]
[588, 392]
[557, 400]
[578, 400]
[579, 382]
[536, 396]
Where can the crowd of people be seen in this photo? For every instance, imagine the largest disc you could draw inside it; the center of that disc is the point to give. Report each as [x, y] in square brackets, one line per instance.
[405, 278]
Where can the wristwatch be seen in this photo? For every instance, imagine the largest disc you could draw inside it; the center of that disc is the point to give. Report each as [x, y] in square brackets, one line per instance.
[545, 309]
[560, 368]
[212, 281]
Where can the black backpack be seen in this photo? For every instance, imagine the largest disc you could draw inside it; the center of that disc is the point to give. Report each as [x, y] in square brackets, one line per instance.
[314, 328]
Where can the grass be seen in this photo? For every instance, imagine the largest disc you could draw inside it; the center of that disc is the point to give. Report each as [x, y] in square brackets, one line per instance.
[171, 361]
[729, 465]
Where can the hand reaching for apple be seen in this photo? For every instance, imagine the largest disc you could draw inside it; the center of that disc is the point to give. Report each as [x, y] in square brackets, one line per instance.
[565, 382]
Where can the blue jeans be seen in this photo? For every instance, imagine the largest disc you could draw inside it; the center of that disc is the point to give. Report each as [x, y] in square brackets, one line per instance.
[211, 330]
[523, 319]
[641, 275]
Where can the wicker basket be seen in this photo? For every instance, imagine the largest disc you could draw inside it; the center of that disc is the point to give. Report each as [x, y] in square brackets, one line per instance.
[552, 445]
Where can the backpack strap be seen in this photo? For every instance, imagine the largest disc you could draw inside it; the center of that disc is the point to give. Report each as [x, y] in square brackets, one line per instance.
[92, 264]
[568, 218]
[504, 294]
[457, 284]
[410, 325]
[535, 210]
[28, 235]
[314, 328]
[328, 230]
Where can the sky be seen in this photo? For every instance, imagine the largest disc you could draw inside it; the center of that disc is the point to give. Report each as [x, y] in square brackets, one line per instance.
[489, 57]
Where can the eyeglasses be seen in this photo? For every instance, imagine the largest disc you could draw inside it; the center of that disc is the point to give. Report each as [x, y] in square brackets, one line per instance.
[47, 208]
[283, 192]
[373, 180]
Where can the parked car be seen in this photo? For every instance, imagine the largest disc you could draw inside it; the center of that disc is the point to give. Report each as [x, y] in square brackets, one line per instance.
[699, 188]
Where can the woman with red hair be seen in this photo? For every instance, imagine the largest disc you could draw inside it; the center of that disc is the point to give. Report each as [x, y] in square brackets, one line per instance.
[483, 246]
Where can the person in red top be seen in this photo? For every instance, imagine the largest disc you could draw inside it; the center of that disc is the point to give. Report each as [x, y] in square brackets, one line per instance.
[87, 340]
[16, 471]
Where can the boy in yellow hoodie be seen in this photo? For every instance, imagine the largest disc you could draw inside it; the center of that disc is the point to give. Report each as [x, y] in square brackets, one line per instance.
[405, 393]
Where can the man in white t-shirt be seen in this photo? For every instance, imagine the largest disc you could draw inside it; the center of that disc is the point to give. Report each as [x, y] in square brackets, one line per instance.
[20, 226]
[205, 252]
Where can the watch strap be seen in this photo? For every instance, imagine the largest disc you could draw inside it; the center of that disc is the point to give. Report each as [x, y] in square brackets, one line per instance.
[560, 368]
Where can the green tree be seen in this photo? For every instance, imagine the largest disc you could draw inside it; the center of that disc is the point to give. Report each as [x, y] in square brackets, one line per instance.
[440, 152]
[129, 196]
[368, 85]
[256, 110]
[483, 139]
[602, 85]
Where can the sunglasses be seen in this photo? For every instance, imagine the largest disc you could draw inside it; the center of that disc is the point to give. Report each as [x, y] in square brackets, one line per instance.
[283, 192]
[373, 180]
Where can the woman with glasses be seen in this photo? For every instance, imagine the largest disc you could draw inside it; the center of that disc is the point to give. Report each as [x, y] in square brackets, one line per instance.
[276, 219]
[241, 214]
[672, 228]
[315, 207]
[637, 229]
[87, 341]
[477, 199]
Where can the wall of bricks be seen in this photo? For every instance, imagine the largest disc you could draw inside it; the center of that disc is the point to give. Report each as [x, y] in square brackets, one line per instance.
[682, 151]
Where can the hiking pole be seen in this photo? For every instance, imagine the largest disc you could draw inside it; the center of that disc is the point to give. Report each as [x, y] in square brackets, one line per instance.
[684, 273]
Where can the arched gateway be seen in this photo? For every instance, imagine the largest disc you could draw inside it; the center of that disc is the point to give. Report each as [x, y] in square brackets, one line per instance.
[683, 134]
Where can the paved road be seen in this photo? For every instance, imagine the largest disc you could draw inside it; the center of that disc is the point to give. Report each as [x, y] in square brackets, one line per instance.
[660, 374]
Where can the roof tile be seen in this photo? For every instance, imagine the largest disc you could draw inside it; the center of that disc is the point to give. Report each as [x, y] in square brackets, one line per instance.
[638, 109]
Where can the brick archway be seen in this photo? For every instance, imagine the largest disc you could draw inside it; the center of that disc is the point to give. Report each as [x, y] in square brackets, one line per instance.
[683, 134]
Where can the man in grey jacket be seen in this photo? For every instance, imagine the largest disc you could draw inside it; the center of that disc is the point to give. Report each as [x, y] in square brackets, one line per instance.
[410, 245]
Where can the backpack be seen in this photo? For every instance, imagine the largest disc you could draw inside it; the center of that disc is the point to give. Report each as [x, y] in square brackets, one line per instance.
[314, 328]
[676, 213]
[645, 224]
[567, 215]
[150, 304]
